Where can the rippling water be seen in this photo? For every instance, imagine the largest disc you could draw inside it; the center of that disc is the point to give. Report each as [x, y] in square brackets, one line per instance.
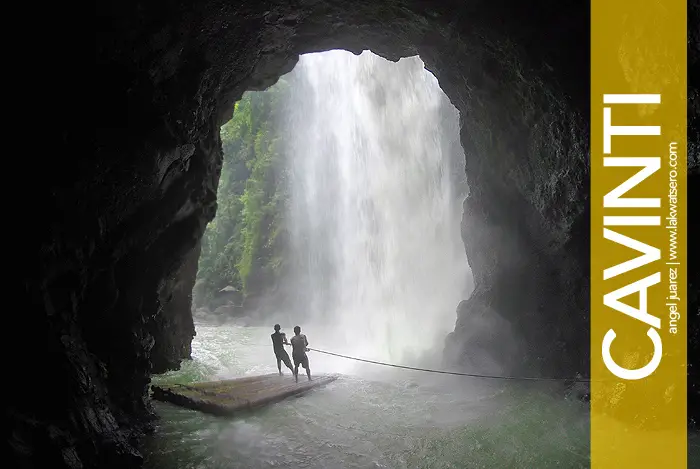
[371, 417]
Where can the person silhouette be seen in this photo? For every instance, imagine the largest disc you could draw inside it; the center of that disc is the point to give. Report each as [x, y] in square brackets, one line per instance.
[279, 340]
[299, 348]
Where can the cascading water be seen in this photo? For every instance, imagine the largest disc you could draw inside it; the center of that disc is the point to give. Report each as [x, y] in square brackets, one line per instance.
[376, 178]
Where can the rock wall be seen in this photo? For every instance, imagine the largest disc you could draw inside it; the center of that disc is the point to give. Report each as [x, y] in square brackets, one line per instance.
[108, 249]
[174, 327]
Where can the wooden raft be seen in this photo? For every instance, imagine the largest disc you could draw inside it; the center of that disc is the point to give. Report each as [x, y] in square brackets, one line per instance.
[228, 397]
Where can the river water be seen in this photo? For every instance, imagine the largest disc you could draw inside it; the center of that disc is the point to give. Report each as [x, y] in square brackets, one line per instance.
[371, 417]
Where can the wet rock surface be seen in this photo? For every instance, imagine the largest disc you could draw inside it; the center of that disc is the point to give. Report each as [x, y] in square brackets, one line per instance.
[110, 257]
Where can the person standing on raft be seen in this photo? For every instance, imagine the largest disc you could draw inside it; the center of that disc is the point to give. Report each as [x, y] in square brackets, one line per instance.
[299, 349]
[279, 340]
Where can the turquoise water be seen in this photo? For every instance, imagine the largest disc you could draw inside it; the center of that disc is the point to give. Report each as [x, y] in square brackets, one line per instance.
[371, 417]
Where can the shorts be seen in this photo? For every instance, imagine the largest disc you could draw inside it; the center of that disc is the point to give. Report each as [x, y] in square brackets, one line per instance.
[302, 360]
[282, 356]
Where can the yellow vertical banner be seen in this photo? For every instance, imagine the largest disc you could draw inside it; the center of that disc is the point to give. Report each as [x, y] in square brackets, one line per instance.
[638, 234]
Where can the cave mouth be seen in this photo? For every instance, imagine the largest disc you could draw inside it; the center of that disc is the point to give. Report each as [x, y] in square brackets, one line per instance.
[113, 258]
[339, 209]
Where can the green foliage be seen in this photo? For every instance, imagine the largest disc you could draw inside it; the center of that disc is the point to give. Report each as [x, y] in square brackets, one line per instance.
[241, 245]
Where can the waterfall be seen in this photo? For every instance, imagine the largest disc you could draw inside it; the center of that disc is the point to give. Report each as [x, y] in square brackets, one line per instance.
[376, 175]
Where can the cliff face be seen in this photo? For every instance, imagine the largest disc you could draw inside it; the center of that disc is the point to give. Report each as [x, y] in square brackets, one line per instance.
[173, 329]
[525, 225]
[109, 260]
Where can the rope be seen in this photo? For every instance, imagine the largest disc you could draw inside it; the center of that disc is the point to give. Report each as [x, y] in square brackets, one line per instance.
[445, 372]
[455, 373]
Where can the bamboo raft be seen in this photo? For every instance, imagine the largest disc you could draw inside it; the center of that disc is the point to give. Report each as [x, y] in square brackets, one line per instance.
[229, 397]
